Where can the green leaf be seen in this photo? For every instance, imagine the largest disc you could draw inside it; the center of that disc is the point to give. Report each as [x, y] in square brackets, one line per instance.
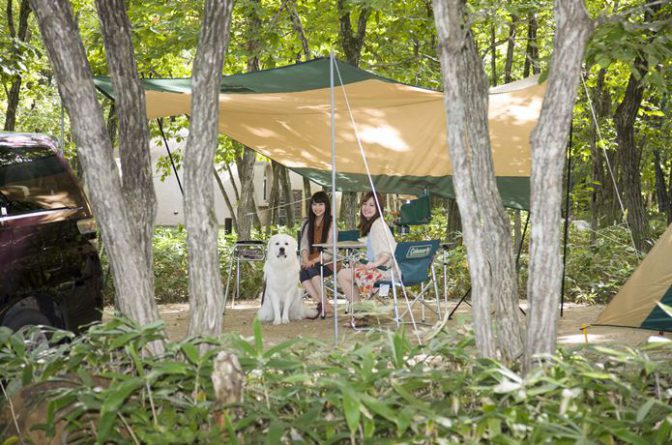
[643, 411]
[352, 410]
[258, 337]
[275, 432]
[114, 396]
[191, 352]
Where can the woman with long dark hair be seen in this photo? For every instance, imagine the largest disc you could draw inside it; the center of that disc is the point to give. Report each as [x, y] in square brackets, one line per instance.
[317, 229]
[380, 246]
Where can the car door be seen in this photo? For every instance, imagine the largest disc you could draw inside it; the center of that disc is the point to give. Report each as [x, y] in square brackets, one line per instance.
[6, 256]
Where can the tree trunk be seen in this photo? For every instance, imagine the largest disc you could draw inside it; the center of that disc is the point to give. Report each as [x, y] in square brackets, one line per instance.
[493, 54]
[510, 47]
[68, 59]
[274, 198]
[205, 284]
[549, 144]
[486, 229]
[247, 208]
[603, 205]
[136, 164]
[532, 48]
[453, 222]
[23, 36]
[306, 195]
[286, 194]
[630, 184]
[661, 184]
[227, 200]
[352, 42]
[236, 194]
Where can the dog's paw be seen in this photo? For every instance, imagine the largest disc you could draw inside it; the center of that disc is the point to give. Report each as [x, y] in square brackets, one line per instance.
[285, 320]
[276, 321]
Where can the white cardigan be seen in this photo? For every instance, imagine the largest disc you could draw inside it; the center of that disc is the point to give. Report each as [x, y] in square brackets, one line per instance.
[382, 241]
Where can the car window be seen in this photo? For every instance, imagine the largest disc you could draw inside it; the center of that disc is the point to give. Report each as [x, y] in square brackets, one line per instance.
[34, 179]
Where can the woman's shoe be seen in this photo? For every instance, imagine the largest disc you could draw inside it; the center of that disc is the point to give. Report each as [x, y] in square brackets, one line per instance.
[319, 312]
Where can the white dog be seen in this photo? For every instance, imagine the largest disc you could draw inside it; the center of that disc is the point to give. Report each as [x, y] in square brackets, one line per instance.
[282, 298]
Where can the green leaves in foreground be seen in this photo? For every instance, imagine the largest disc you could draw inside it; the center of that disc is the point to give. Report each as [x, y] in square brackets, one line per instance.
[380, 389]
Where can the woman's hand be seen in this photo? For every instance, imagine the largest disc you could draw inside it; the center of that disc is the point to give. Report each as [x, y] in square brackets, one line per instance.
[370, 265]
[305, 263]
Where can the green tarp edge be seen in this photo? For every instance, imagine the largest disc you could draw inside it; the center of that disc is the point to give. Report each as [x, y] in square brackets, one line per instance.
[515, 191]
[302, 76]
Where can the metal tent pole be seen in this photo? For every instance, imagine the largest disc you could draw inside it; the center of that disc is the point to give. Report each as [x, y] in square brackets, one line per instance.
[333, 188]
[170, 156]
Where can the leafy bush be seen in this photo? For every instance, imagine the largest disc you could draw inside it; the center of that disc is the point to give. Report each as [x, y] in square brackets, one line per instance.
[171, 273]
[382, 389]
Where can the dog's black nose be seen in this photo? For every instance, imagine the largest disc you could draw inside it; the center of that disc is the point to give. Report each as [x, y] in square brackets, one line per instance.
[282, 250]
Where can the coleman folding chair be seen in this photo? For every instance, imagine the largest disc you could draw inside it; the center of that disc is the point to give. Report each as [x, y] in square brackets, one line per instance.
[414, 259]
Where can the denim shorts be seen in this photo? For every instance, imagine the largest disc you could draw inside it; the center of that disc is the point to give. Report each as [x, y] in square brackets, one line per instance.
[314, 271]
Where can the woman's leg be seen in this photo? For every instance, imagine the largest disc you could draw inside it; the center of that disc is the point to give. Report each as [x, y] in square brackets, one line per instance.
[316, 282]
[346, 281]
[313, 292]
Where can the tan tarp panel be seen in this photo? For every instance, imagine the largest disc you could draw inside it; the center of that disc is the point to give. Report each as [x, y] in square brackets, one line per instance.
[402, 128]
[644, 289]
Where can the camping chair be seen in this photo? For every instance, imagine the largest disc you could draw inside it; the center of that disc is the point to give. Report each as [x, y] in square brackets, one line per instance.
[243, 251]
[414, 213]
[414, 259]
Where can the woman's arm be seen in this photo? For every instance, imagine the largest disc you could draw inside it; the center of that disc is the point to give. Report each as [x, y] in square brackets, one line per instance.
[380, 243]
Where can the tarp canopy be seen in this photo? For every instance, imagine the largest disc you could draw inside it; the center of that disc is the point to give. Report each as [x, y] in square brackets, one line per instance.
[285, 114]
[636, 304]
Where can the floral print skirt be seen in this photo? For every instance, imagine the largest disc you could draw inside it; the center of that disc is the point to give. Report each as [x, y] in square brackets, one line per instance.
[365, 279]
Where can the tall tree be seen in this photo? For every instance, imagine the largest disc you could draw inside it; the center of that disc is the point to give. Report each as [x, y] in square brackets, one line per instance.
[352, 42]
[19, 36]
[532, 47]
[205, 285]
[549, 142]
[486, 228]
[60, 34]
[247, 207]
[136, 172]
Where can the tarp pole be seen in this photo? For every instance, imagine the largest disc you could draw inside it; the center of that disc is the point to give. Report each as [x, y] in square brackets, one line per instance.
[568, 186]
[333, 190]
[170, 156]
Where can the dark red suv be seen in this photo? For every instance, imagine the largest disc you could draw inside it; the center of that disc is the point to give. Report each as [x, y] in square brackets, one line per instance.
[50, 273]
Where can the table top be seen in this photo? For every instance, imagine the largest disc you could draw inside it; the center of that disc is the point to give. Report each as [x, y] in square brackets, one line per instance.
[343, 245]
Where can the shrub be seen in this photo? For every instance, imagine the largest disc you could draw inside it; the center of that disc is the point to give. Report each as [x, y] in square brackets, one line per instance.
[382, 389]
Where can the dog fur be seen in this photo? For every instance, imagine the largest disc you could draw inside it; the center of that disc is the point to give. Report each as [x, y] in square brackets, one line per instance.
[282, 299]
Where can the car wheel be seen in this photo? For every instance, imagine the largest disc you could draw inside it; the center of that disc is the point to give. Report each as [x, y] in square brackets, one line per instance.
[25, 317]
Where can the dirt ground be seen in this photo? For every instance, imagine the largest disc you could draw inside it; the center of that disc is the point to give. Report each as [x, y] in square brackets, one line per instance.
[239, 319]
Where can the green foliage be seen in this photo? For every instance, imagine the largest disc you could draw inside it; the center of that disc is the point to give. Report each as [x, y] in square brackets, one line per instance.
[382, 389]
[171, 273]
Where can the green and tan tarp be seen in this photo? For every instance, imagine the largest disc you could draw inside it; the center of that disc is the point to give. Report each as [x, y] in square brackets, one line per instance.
[285, 114]
[636, 304]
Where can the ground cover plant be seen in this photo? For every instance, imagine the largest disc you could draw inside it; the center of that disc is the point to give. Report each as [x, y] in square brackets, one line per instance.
[382, 389]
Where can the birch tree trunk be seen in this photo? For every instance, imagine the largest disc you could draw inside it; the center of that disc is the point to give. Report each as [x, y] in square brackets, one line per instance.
[549, 141]
[532, 48]
[486, 229]
[135, 296]
[630, 182]
[136, 164]
[205, 284]
[352, 42]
